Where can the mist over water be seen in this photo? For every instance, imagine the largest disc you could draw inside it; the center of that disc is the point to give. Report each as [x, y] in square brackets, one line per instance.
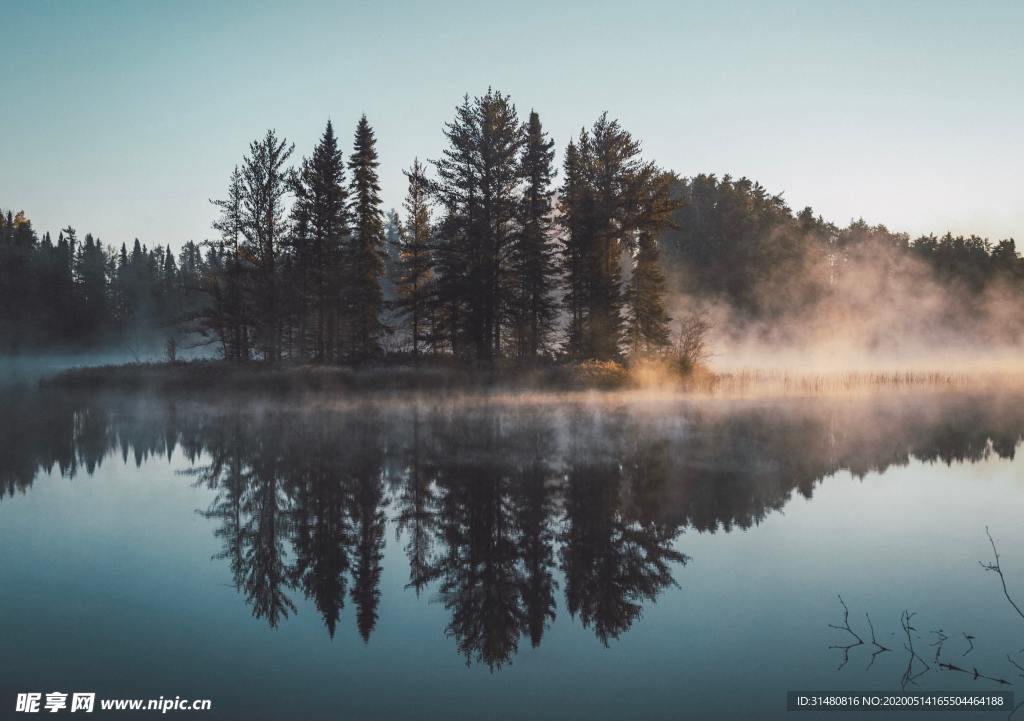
[514, 549]
[796, 291]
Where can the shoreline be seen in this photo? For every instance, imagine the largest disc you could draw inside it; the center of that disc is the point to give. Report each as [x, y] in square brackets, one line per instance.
[651, 380]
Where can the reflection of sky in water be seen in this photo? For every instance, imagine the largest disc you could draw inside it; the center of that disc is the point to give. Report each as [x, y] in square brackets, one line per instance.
[108, 583]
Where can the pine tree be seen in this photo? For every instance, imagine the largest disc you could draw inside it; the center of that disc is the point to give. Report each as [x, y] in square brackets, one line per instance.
[64, 292]
[610, 197]
[456, 258]
[576, 201]
[415, 259]
[365, 261]
[119, 292]
[228, 315]
[321, 220]
[392, 240]
[533, 254]
[648, 320]
[478, 179]
[265, 183]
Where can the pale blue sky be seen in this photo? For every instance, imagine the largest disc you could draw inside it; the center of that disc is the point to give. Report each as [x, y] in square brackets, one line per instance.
[123, 118]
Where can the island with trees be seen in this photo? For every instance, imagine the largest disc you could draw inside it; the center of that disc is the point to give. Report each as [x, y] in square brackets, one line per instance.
[499, 265]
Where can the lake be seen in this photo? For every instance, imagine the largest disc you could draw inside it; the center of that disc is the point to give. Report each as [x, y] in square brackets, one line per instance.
[510, 557]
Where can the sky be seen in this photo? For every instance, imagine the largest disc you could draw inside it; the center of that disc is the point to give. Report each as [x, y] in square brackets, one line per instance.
[124, 118]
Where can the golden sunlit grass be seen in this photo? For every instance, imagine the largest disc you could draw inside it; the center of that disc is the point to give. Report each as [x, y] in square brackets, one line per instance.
[788, 383]
[652, 376]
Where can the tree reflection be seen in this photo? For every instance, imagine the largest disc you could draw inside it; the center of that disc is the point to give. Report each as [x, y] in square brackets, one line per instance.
[322, 529]
[501, 509]
[613, 561]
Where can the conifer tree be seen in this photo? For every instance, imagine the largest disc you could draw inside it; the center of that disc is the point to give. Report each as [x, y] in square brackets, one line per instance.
[533, 254]
[392, 241]
[365, 257]
[574, 201]
[265, 184]
[648, 329]
[610, 197]
[322, 229]
[415, 259]
[229, 315]
[478, 181]
[456, 257]
[91, 281]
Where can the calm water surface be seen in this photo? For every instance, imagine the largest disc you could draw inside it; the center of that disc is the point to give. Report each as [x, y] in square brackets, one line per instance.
[506, 560]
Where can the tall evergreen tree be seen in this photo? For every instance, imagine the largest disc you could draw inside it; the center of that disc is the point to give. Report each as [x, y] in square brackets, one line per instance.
[415, 259]
[648, 329]
[366, 253]
[91, 287]
[265, 184]
[478, 179]
[574, 201]
[229, 315]
[533, 254]
[610, 197]
[392, 241]
[456, 255]
[322, 229]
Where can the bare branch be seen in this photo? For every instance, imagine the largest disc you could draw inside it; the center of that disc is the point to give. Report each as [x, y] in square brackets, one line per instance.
[909, 677]
[1017, 665]
[974, 673]
[879, 648]
[999, 570]
[941, 639]
[970, 640]
[846, 627]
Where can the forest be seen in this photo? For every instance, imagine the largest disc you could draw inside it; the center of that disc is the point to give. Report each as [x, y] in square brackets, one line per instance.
[496, 254]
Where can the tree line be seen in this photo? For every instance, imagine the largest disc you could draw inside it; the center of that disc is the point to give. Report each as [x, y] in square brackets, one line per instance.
[483, 264]
[731, 240]
[76, 292]
[496, 254]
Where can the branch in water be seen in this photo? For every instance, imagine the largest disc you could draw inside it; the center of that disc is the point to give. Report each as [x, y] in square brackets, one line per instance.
[974, 672]
[846, 627]
[879, 647]
[970, 640]
[941, 638]
[999, 570]
[1017, 665]
[909, 677]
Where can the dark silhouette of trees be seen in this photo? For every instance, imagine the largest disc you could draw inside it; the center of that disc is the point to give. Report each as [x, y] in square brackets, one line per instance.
[477, 187]
[365, 258]
[533, 252]
[490, 264]
[414, 266]
[648, 320]
[320, 236]
[79, 293]
[227, 315]
[264, 186]
[610, 197]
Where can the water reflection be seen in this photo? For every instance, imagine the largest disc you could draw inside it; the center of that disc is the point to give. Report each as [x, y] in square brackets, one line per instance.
[508, 514]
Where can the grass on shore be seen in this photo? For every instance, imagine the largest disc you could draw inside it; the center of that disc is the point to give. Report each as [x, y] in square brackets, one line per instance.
[210, 376]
